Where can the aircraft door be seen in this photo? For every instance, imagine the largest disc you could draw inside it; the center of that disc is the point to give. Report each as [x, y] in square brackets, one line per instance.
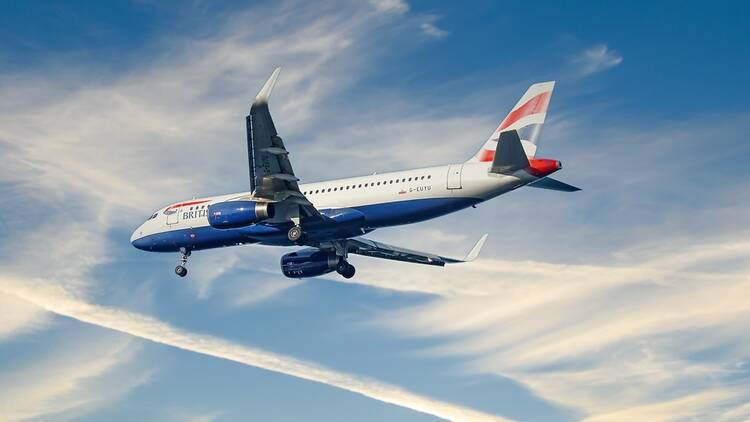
[454, 176]
[173, 216]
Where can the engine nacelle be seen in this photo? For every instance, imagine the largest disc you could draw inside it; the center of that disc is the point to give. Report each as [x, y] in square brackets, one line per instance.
[234, 214]
[308, 263]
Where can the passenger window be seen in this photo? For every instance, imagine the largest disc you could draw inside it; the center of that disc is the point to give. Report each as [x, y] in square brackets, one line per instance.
[429, 176]
[360, 185]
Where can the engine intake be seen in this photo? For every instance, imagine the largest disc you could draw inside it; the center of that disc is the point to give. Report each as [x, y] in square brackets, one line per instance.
[308, 263]
[235, 214]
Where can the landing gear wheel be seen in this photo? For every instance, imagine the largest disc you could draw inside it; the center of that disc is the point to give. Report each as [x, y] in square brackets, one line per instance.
[345, 269]
[295, 234]
[180, 270]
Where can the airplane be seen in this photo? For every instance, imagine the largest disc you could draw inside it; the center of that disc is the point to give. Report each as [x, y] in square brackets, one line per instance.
[331, 217]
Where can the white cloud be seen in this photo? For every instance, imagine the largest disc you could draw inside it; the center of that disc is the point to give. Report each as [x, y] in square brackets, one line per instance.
[683, 408]
[390, 6]
[609, 339]
[76, 378]
[430, 28]
[596, 59]
[18, 316]
[57, 300]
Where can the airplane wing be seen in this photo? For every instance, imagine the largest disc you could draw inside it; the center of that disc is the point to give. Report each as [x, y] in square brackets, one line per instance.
[271, 174]
[366, 247]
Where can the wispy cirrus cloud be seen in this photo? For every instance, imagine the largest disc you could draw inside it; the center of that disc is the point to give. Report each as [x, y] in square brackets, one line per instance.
[390, 6]
[80, 375]
[430, 28]
[576, 334]
[60, 302]
[595, 59]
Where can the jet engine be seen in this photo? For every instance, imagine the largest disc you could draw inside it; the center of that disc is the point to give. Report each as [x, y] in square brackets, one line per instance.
[234, 214]
[308, 263]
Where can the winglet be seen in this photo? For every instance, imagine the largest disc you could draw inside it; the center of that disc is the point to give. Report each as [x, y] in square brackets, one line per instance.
[474, 252]
[265, 92]
[472, 255]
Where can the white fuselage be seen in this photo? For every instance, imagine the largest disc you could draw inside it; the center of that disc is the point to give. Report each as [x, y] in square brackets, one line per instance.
[387, 191]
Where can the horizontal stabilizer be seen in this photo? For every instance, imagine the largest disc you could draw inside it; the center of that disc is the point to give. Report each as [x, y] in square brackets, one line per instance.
[552, 184]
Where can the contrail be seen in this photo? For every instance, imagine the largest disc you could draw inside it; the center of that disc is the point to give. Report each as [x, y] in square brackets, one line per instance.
[58, 301]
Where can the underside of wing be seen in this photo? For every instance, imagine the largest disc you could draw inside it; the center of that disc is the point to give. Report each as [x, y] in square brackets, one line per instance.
[371, 248]
[271, 173]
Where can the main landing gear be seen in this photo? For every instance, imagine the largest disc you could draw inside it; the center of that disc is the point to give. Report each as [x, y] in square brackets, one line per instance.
[345, 268]
[180, 270]
[296, 235]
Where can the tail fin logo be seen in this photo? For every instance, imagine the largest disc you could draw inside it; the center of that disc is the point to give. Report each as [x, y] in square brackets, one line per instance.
[526, 117]
[534, 106]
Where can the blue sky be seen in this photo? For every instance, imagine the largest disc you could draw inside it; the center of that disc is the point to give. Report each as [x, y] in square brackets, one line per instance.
[626, 301]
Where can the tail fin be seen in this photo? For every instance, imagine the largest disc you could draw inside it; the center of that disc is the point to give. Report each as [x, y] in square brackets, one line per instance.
[526, 117]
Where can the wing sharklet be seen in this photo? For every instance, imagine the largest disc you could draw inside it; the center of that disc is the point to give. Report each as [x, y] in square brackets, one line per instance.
[265, 92]
[473, 253]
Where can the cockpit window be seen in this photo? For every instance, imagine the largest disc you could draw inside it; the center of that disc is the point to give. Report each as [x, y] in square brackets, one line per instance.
[153, 216]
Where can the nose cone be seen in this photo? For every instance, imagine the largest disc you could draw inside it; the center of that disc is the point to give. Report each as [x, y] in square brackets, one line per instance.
[137, 239]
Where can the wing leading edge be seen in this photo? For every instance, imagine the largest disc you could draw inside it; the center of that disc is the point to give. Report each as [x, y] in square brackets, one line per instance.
[371, 248]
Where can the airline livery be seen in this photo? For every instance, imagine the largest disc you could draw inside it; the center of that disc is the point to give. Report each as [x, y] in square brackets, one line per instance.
[331, 217]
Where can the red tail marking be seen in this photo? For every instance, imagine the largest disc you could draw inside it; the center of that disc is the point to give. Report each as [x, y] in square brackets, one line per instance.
[486, 155]
[541, 167]
[535, 105]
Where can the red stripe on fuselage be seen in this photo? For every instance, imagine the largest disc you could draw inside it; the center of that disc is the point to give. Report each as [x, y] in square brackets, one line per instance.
[535, 105]
[486, 155]
[186, 204]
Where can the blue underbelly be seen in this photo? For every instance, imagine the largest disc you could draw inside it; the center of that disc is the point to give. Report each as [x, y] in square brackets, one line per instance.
[412, 211]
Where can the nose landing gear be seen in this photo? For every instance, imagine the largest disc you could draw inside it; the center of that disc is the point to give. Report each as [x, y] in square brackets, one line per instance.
[180, 270]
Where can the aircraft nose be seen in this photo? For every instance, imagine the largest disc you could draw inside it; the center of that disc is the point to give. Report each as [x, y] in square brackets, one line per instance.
[137, 239]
